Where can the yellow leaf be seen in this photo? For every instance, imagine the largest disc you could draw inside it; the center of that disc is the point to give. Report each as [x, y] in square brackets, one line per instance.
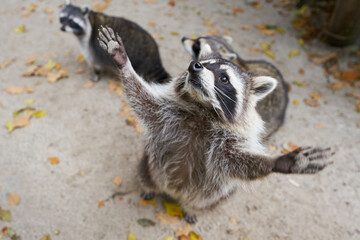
[46, 237]
[29, 101]
[174, 33]
[270, 54]
[10, 126]
[50, 64]
[173, 209]
[101, 203]
[280, 30]
[168, 238]
[13, 199]
[131, 236]
[40, 114]
[294, 53]
[296, 102]
[6, 63]
[301, 42]
[20, 29]
[53, 160]
[21, 121]
[80, 58]
[299, 83]
[194, 236]
[265, 46]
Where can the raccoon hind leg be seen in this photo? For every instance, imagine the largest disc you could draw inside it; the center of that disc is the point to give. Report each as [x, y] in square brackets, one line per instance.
[148, 186]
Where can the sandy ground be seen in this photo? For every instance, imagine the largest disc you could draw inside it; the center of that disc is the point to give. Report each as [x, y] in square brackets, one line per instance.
[93, 143]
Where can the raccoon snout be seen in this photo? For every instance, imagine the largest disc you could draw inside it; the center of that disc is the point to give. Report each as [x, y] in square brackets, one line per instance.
[195, 67]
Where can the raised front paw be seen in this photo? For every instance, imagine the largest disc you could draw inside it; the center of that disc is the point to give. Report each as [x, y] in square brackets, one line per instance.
[113, 45]
[303, 160]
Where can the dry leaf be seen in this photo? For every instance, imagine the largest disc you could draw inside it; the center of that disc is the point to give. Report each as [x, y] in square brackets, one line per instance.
[152, 23]
[174, 33]
[168, 238]
[117, 180]
[5, 215]
[173, 209]
[80, 58]
[183, 230]
[48, 11]
[53, 160]
[46, 237]
[29, 89]
[293, 53]
[336, 85]
[13, 199]
[9, 125]
[246, 27]
[311, 102]
[29, 101]
[79, 71]
[349, 75]
[14, 90]
[296, 102]
[89, 84]
[20, 29]
[31, 60]
[101, 203]
[209, 24]
[6, 63]
[114, 85]
[166, 218]
[150, 1]
[232, 220]
[301, 71]
[21, 121]
[131, 236]
[320, 126]
[171, 3]
[53, 77]
[213, 32]
[194, 236]
[357, 105]
[39, 114]
[30, 71]
[272, 148]
[315, 95]
[321, 60]
[270, 54]
[147, 202]
[237, 10]
[299, 83]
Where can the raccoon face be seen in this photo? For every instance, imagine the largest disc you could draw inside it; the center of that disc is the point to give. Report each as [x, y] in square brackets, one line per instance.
[73, 19]
[222, 86]
[220, 45]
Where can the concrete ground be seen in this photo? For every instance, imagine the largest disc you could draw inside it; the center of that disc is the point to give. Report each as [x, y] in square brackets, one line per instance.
[94, 144]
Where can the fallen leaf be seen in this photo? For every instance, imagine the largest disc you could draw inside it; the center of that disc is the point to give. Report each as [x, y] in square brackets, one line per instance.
[101, 203]
[46, 237]
[150, 1]
[31, 60]
[39, 114]
[152, 23]
[14, 90]
[336, 85]
[299, 83]
[183, 230]
[53, 160]
[293, 53]
[265, 46]
[237, 10]
[9, 125]
[320, 126]
[357, 105]
[321, 60]
[79, 71]
[301, 71]
[50, 64]
[173, 209]
[168, 238]
[80, 58]
[270, 54]
[13, 199]
[20, 29]
[30, 112]
[144, 222]
[130, 235]
[301, 42]
[21, 121]
[315, 95]
[171, 3]
[209, 24]
[5, 215]
[29, 101]
[89, 84]
[174, 33]
[6, 63]
[349, 75]
[246, 27]
[165, 218]
[280, 30]
[117, 180]
[213, 32]
[114, 85]
[257, 5]
[48, 11]
[311, 102]
[147, 202]
[232, 220]
[296, 102]
[31, 71]
[194, 236]
[53, 77]
[29, 89]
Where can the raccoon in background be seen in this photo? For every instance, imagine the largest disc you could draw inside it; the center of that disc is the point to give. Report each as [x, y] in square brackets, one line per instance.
[142, 48]
[272, 108]
[202, 130]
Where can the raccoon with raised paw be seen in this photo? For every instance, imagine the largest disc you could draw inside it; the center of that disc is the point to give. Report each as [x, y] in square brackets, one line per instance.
[142, 48]
[202, 130]
[272, 108]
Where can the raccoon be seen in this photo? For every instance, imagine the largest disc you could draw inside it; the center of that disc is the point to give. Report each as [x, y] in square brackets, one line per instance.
[142, 48]
[273, 108]
[202, 130]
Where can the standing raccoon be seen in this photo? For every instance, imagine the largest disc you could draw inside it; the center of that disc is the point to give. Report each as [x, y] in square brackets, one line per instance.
[202, 130]
[142, 48]
[272, 108]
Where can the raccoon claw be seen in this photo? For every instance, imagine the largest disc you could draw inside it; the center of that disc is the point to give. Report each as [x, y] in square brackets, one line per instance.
[301, 160]
[113, 45]
[191, 219]
[147, 196]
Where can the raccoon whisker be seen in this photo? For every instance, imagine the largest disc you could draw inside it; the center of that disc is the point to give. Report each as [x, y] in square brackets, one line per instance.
[220, 91]
[222, 100]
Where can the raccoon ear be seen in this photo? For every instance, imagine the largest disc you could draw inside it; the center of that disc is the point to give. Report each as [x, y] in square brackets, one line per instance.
[263, 85]
[205, 51]
[228, 39]
[85, 9]
[229, 56]
[187, 44]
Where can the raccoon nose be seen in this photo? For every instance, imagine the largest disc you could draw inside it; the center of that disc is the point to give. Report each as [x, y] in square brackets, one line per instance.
[195, 67]
[184, 39]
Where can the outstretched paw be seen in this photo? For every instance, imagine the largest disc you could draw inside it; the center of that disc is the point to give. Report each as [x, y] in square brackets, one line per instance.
[113, 45]
[303, 160]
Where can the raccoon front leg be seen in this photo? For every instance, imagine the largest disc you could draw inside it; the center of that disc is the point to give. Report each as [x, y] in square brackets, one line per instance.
[137, 90]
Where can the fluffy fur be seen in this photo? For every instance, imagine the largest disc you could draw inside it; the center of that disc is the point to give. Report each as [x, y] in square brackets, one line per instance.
[199, 147]
[142, 48]
[273, 108]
